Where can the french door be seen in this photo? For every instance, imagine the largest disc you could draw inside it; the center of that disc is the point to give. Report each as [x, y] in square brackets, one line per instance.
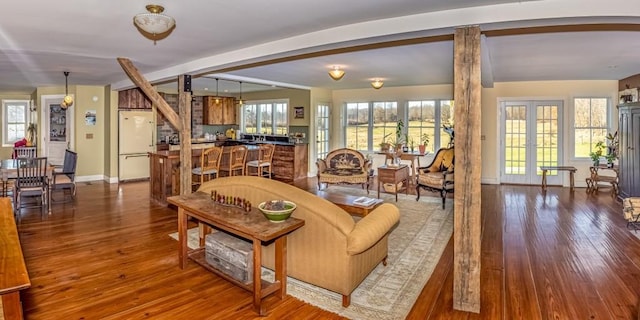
[322, 131]
[530, 139]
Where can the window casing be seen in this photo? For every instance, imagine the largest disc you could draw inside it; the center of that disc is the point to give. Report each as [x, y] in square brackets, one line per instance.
[367, 124]
[14, 125]
[590, 124]
[266, 117]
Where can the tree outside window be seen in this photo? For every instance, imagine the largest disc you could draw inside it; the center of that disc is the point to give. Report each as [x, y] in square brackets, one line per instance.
[590, 124]
[15, 120]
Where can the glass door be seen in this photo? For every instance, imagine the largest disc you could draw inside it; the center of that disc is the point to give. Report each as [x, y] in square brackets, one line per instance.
[530, 139]
[322, 131]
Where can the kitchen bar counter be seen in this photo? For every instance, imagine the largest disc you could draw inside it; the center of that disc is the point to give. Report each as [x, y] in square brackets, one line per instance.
[290, 162]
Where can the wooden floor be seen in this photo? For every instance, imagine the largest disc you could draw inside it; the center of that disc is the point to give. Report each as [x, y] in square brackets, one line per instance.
[561, 255]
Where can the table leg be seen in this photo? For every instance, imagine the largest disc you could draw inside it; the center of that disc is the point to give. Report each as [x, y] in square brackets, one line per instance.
[11, 306]
[378, 186]
[257, 277]
[544, 179]
[281, 266]
[182, 237]
[571, 180]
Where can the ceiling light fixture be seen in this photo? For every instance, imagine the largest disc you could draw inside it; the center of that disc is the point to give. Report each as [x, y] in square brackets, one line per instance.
[377, 84]
[67, 101]
[217, 100]
[336, 73]
[154, 22]
[240, 102]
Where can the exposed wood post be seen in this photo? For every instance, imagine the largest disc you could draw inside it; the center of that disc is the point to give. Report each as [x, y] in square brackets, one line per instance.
[466, 234]
[184, 107]
[146, 87]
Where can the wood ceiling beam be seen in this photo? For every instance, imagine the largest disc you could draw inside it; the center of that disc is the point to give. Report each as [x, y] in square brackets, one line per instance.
[146, 87]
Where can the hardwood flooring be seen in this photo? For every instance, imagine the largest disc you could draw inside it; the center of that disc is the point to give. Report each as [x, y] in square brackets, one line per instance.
[107, 255]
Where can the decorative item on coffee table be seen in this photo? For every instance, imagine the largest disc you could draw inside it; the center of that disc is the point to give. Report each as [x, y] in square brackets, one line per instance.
[277, 210]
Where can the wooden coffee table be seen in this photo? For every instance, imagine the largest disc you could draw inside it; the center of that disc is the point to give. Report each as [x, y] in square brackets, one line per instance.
[345, 202]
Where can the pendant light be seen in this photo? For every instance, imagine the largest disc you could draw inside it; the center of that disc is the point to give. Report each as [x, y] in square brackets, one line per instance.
[240, 102]
[68, 100]
[217, 100]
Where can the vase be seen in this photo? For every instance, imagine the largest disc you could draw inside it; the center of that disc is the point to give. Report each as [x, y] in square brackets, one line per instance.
[422, 148]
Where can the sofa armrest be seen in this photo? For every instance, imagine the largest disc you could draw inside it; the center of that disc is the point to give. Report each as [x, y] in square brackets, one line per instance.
[321, 164]
[370, 229]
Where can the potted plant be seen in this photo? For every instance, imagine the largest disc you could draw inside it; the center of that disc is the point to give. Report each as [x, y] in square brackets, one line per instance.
[610, 157]
[399, 138]
[597, 153]
[424, 141]
[384, 145]
[412, 143]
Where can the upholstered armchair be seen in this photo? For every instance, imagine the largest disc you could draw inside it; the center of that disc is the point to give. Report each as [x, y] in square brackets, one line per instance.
[438, 176]
[344, 165]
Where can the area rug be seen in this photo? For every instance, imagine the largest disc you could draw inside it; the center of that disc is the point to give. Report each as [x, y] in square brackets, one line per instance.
[389, 292]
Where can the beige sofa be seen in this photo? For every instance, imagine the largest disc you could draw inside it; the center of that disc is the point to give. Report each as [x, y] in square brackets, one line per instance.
[331, 250]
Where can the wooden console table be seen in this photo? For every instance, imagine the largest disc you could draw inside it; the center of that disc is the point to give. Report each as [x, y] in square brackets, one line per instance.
[252, 226]
[572, 171]
[13, 271]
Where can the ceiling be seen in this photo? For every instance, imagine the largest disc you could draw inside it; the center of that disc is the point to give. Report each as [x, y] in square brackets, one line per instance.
[403, 42]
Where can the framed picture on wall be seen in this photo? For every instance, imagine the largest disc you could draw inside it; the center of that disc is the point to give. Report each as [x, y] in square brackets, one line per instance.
[299, 112]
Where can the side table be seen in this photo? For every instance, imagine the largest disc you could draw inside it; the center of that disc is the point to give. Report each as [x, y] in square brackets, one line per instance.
[394, 175]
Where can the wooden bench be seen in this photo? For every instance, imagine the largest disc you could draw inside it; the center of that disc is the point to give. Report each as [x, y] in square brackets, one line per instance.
[572, 171]
[13, 271]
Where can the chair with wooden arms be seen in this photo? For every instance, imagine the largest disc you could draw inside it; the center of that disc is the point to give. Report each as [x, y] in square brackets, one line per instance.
[437, 176]
[31, 181]
[65, 179]
[209, 164]
[262, 165]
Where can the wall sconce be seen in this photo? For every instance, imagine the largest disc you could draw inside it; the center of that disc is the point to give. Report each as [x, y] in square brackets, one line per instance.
[336, 73]
[377, 84]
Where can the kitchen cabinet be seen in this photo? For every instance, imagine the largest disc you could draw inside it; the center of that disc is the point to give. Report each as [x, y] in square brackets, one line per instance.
[223, 112]
[629, 150]
[133, 99]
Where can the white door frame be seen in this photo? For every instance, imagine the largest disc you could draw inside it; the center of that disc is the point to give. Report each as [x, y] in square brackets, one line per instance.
[45, 101]
[532, 104]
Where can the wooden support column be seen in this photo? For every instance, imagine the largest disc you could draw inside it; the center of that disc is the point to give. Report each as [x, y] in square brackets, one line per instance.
[467, 220]
[184, 107]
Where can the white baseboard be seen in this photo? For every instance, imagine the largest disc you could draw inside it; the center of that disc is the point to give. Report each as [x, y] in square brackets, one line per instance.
[489, 181]
[97, 177]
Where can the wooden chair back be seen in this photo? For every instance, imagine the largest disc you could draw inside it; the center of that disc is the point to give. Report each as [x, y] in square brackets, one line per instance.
[32, 173]
[24, 152]
[237, 158]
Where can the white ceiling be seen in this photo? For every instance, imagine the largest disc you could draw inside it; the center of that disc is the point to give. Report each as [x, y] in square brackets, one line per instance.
[86, 36]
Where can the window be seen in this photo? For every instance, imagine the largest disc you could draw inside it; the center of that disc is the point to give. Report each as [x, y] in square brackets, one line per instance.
[370, 123]
[590, 124]
[266, 117]
[14, 126]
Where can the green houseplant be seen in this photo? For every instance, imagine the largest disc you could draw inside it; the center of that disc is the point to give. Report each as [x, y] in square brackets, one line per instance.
[424, 142]
[597, 153]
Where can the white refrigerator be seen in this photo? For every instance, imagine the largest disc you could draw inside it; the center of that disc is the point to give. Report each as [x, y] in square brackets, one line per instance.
[135, 136]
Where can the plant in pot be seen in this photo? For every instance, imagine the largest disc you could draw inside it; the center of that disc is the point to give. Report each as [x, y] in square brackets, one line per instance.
[412, 144]
[384, 145]
[424, 141]
[610, 157]
[597, 153]
[399, 138]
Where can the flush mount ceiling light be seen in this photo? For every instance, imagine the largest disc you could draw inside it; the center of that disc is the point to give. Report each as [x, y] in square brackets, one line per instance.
[377, 84]
[67, 101]
[336, 73]
[154, 22]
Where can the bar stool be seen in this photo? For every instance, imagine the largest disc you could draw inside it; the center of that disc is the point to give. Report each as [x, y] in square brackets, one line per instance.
[263, 163]
[237, 159]
[209, 164]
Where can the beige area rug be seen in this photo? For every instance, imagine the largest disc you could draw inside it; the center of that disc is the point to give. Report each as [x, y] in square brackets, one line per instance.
[415, 247]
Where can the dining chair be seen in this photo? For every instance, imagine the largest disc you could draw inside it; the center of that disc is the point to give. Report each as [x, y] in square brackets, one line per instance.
[262, 165]
[237, 160]
[65, 179]
[31, 180]
[209, 164]
[24, 152]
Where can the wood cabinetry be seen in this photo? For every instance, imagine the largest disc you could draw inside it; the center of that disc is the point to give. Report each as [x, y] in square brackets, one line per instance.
[222, 112]
[133, 99]
[629, 150]
[290, 162]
